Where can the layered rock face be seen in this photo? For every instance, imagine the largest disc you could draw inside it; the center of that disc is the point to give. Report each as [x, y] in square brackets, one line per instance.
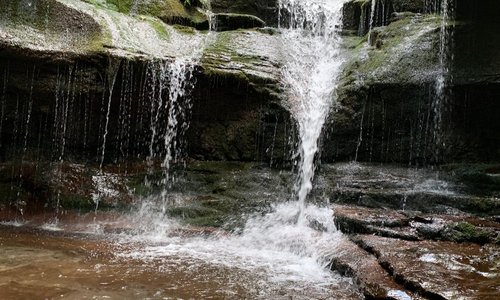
[390, 88]
[92, 82]
[386, 91]
[92, 68]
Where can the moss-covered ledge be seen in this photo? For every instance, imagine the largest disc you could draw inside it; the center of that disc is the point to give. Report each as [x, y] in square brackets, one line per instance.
[72, 30]
[252, 56]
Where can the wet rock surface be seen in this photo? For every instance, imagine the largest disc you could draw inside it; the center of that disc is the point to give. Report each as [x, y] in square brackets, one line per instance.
[211, 194]
[235, 95]
[372, 279]
[439, 191]
[413, 226]
[434, 253]
[409, 254]
[264, 9]
[385, 90]
[438, 270]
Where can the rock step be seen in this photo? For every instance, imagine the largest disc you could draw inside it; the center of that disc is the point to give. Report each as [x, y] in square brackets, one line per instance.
[372, 279]
[415, 226]
[414, 200]
[438, 270]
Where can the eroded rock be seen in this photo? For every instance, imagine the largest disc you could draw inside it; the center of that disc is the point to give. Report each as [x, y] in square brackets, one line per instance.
[439, 270]
[372, 279]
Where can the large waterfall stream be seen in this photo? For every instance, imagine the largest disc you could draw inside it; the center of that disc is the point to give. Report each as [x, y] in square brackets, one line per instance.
[282, 252]
[312, 64]
[288, 248]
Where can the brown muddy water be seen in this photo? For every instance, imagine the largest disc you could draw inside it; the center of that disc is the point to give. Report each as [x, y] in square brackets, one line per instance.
[66, 260]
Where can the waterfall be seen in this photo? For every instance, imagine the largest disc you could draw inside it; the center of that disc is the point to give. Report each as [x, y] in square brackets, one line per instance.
[372, 19]
[173, 81]
[443, 78]
[3, 103]
[111, 79]
[181, 83]
[293, 241]
[312, 63]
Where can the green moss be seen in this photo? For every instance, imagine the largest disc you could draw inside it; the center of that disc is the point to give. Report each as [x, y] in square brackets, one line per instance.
[386, 59]
[123, 6]
[164, 9]
[159, 27]
[466, 232]
[138, 186]
[208, 221]
[198, 215]
[103, 3]
[184, 29]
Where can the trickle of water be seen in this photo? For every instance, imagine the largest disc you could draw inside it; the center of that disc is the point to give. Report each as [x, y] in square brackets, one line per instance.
[372, 17]
[312, 63]
[180, 75]
[212, 18]
[28, 115]
[156, 75]
[3, 101]
[125, 110]
[177, 79]
[112, 74]
[443, 77]
[360, 138]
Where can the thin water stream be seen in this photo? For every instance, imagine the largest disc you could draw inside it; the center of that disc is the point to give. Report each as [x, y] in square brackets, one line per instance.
[442, 80]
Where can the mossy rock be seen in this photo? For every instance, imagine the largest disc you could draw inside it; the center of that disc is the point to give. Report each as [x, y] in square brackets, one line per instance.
[416, 6]
[403, 52]
[263, 9]
[51, 23]
[466, 232]
[231, 21]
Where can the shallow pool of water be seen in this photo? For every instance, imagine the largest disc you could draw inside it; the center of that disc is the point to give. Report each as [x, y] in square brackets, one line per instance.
[61, 261]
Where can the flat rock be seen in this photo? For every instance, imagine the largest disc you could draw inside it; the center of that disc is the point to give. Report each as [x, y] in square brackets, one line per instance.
[439, 270]
[383, 222]
[373, 280]
[398, 188]
[376, 217]
[414, 225]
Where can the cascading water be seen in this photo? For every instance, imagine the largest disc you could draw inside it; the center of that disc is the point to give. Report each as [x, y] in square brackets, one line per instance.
[440, 96]
[176, 78]
[179, 74]
[285, 252]
[292, 245]
[372, 19]
[312, 64]
[443, 77]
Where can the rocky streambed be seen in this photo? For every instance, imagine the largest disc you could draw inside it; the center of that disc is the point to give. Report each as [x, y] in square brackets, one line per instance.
[394, 244]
